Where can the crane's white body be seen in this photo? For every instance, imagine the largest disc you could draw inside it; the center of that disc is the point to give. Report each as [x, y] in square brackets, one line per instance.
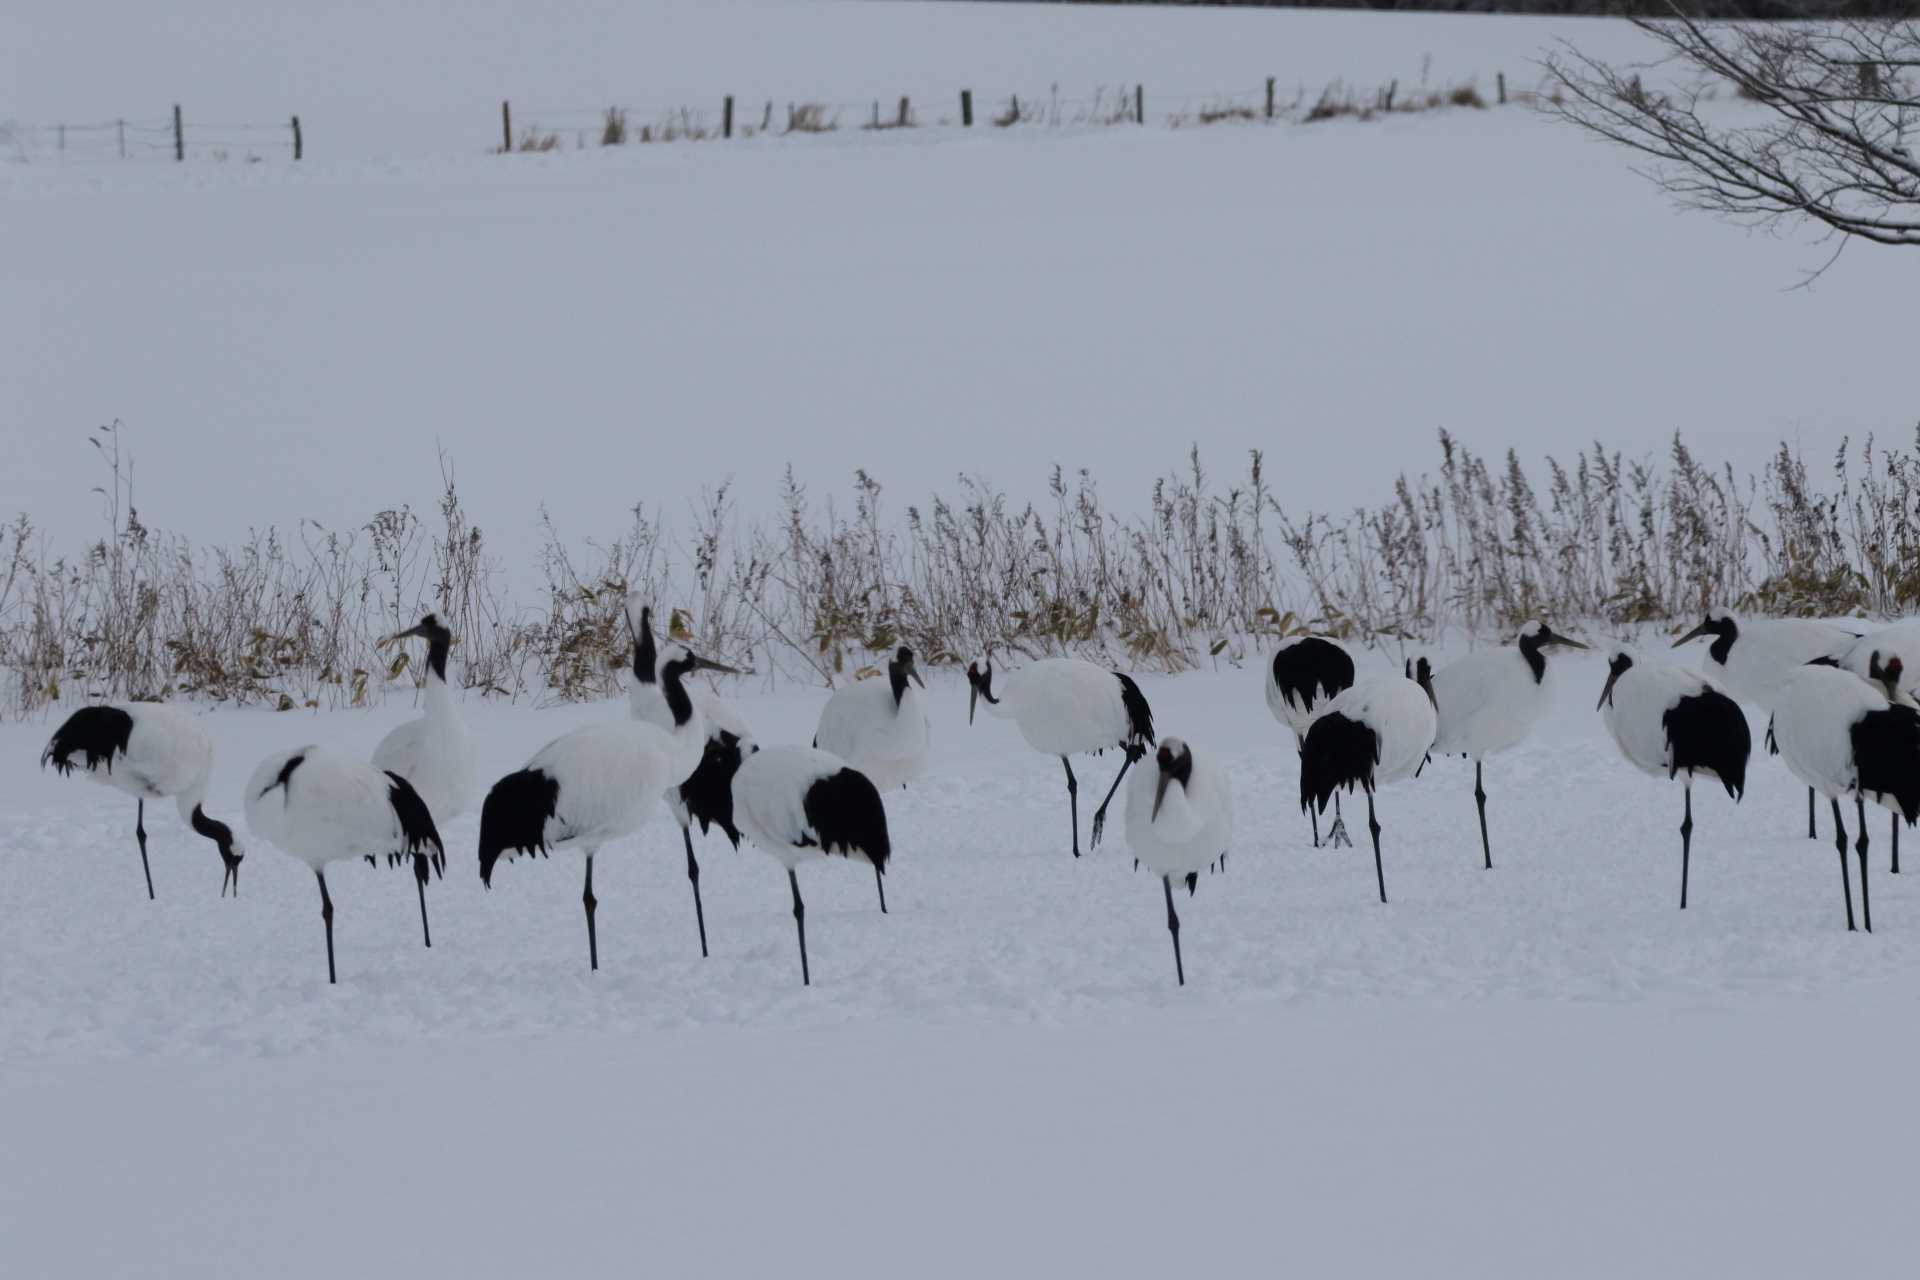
[1766, 652]
[1489, 701]
[1815, 710]
[1402, 718]
[769, 801]
[168, 756]
[333, 806]
[1195, 822]
[1295, 709]
[883, 738]
[434, 753]
[612, 777]
[1637, 704]
[1063, 706]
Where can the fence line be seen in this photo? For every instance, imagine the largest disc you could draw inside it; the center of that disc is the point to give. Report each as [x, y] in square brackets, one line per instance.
[730, 116]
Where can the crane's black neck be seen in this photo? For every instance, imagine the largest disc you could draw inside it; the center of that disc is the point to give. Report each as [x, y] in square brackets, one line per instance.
[897, 675]
[643, 651]
[439, 641]
[679, 701]
[212, 828]
[1533, 649]
[1725, 633]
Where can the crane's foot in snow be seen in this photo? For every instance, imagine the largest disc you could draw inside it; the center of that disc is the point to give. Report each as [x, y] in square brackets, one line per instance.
[1338, 837]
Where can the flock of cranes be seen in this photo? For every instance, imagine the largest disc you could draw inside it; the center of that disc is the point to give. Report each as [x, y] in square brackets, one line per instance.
[1843, 718]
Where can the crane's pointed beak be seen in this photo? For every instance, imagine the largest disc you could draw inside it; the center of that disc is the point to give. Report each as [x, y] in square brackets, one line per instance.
[1159, 794]
[1606, 693]
[973, 700]
[1694, 634]
[913, 674]
[707, 664]
[1565, 642]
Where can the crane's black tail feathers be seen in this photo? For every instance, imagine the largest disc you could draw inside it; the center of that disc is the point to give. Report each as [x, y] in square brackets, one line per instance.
[1708, 731]
[95, 734]
[514, 817]
[1338, 752]
[1886, 753]
[1139, 714]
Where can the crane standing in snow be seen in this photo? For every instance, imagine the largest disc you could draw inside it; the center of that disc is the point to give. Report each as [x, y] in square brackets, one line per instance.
[1066, 707]
[432, 752]
[1491, 700]
[1753, 657]
[1305, 672]
[1179, 819]
[1840, 735]
[595, 785]
[151, 751]
[320, 806]
[799, 804]
[1376, 733]
[706, 791]
[1666, 720]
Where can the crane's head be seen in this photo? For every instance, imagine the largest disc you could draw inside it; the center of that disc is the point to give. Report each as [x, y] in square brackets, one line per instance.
[980, 685]
[1538, 635]
[1888, 675]
[1618, 663]
[679, 661]
[1175, 761]
[1715, 622]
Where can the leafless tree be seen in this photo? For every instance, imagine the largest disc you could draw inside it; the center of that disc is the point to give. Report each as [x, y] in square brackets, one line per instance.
[1819, 130]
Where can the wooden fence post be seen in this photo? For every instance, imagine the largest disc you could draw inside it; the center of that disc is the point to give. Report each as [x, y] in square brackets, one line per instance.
[726, 118]
[179, 136]
[903, 113]
[1501, 80]
[1269, 97]
[506, 127]
[1139, 104]
[296, 137]
[966, 108]
[121, 127]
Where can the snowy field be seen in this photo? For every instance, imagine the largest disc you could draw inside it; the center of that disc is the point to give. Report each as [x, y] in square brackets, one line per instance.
[1543, 1069]
[1546, 1069]
[989, 302]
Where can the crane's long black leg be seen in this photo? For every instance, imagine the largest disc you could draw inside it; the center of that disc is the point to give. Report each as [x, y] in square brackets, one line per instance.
[140, 834]
[1373, 825]
[1860, 846]
[1813, 832]
[1894, 826]
[880, 883]
[1846, 880]
[800, 925]
[593, 939]
[693, 875]
[1686, 845]
[1314, 814]
[420, 872]
[1073, 802]
[1173, 927]
[1480, 799]
[1100, 814]
[326, 917]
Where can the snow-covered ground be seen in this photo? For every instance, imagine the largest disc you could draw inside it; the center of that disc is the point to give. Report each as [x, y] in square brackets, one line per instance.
[1546, 1068]
[593, 328]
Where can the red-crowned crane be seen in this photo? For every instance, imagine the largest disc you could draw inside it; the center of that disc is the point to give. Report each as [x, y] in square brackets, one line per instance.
[1305, 672]
[880, 727]
[433, 752]
[1066, 707]
[595, 785]
[705, 792]
[1491, 700]
[1668, 720]
[1753, 657]
[1376, 733]
[800, 804]
[151, 751]
[1840, 735]
[1179, 819]
[319, 805]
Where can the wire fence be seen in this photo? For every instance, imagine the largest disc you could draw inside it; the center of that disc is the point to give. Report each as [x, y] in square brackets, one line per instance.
[183, 138]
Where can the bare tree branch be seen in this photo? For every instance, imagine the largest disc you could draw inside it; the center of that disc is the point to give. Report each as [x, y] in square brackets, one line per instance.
[1818, 130]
